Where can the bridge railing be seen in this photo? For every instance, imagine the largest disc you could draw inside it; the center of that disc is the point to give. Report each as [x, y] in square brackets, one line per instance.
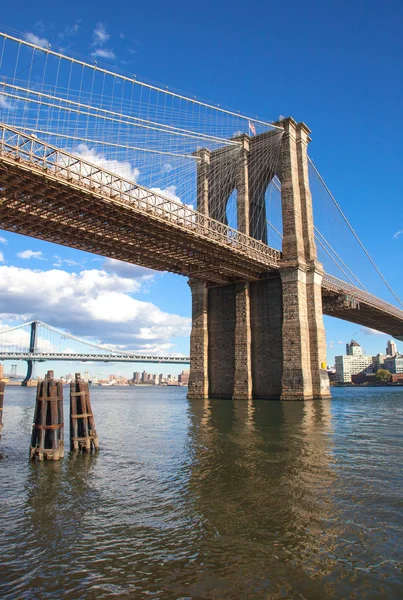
[337, 285]
[79, 173]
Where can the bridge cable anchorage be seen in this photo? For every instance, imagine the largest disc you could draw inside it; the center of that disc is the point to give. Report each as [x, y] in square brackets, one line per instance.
[353, 232]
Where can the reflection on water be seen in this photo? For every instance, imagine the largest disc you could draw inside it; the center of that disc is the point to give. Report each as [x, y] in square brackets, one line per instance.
[208, 499]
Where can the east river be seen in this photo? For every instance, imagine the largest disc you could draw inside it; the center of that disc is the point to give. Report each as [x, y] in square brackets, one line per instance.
[208, 499]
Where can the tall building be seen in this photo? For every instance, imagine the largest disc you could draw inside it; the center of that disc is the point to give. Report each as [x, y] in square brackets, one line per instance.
[391, 348]
[353, 349]
[378, 362]
[183, 378]
[351, 364]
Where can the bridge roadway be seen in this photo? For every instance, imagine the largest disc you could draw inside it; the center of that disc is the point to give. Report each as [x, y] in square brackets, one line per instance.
[52, 195]
[129, 358]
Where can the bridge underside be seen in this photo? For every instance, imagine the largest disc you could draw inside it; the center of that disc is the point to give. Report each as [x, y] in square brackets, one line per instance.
[342, 306]
[42, 206]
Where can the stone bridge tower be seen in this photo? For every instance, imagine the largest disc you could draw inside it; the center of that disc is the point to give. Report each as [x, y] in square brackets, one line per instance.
[261, 339]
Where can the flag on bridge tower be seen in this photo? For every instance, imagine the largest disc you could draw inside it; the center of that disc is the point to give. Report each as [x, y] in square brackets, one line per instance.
[252, 128]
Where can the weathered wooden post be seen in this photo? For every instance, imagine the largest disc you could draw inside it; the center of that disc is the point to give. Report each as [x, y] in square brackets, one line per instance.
[83, 435]
[47, 440]
[1, 405]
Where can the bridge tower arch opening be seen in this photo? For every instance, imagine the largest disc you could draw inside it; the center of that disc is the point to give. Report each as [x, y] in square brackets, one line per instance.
[261, 338]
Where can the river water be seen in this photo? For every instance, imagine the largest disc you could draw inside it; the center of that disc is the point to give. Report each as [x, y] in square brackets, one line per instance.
[208, 499]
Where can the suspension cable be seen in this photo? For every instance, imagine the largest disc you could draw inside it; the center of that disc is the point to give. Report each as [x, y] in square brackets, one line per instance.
[353, 232]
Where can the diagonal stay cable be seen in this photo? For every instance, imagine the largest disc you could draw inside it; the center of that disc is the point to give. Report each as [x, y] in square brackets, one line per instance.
[354, 233]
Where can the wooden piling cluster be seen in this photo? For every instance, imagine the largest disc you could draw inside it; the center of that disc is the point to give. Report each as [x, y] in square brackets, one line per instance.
[47, 441]
[1, 405]
[83, 435]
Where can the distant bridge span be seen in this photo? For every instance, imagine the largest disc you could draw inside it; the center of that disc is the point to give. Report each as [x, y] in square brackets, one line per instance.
[115, 358]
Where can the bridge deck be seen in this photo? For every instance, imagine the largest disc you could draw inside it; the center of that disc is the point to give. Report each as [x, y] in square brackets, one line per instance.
[52, 195]
[55, 196]
[349, 303]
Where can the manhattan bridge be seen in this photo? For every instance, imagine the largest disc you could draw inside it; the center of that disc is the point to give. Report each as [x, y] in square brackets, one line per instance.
[97, 160]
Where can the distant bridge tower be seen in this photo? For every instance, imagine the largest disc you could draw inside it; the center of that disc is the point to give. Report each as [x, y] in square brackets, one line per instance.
[32, 349]
[263, 339]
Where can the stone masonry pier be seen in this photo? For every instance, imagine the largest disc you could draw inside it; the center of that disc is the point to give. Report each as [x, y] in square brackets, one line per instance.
[265, 338]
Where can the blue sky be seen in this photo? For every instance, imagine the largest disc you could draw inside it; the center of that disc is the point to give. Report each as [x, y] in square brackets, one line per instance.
[335, 65]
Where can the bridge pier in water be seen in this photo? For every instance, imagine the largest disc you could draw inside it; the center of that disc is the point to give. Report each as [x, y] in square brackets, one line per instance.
[47, 439]
[83, 435]
[263, 338]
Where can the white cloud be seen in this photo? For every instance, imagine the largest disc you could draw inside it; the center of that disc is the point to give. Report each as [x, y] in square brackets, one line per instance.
[99, 35]
[1, 256]
[34, 39]
[123, 168]
[3, 241]
[59, 261]
[370, 331]
[103, 53]
[127, 270]
[397, 234]
[168, 192]
[28, 254]
[70, 30]
[89, 303]
[5, 103]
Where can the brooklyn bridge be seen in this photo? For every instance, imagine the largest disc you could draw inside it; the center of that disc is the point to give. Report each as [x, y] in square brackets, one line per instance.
[101, 162]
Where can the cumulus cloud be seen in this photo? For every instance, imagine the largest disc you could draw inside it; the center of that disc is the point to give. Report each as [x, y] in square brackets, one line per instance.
[5, 103]
[70, 30]
[398, 234]
[28, 254]
[370, 331]
[35, 39]
[1, 256]
[127, 270]
[90, 303]
[103, 53]
[168, 192]
[59, 261]
[100, 37]
[3, 241]
[123, 168]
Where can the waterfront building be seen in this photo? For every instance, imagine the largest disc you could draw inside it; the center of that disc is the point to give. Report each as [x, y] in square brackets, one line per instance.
[353, 349]
[394, 364]
[352, 363]
[183, 378]
[391, 348]
[378, 362]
